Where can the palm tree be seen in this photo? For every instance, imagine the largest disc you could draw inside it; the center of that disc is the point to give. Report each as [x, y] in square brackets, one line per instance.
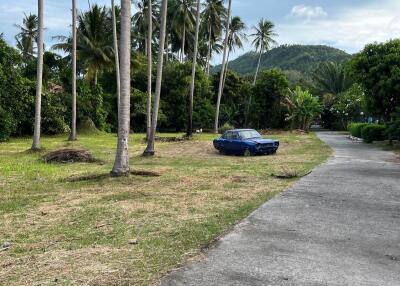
[236, 38]
[150, 141]
[331, 78]
[183, 21]
[221, 79]
[116, 52]
[72, 136]
[39, 77]
[28, 36]
[189, 132]
[121, 164]
[147, 10]
[264, 33]
[213, 14]
[149, 65]
[94, 43]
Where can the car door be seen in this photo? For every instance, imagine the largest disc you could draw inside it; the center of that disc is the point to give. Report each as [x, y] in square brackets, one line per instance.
[235, 143]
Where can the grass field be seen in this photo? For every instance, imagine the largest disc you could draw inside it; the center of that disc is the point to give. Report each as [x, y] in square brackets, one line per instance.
[131, 230]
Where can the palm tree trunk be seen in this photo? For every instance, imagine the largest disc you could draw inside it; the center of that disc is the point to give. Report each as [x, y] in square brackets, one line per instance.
[72, 136]
[258, 65]
[209, 49]
[150, 141]
[226, 70]
[221, 79]
[39, 79]
[149, 67]
[189, 132]
[96, 74]
[167, 47]
[121, 164]
[183, 44]
[116, 54]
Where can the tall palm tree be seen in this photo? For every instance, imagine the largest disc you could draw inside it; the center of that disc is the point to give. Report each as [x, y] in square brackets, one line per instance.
[189, 132]
[212, 16]
[236, 38]
[116, 52]
[28, 37]
[263, 39]
[183, 21]
[221, 79]
[149, 65]
[72, 136]
[150, 141]
[94, 43]
[121, 164]
[141, 20]
[39, 78]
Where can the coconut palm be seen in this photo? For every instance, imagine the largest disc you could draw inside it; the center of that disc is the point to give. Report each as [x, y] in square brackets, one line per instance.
[121, 164]
[27, 38]
[212, 16]
[72, 136]
[94, 43]
[147, 10]
[221, 79]
[236, 38]
[263, 39]
[39, 77]
[189, 132]
[116, 52]
[183, 21]
[150, 141]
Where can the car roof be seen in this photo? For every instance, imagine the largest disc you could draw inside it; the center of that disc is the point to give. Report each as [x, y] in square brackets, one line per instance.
[238, 130]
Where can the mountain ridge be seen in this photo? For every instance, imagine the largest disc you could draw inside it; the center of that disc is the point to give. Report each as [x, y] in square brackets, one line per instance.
[295, 58]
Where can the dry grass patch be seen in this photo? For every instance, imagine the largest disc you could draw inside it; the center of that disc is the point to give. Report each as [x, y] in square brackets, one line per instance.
[78, 232]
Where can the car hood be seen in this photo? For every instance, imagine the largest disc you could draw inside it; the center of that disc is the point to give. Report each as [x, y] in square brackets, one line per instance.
[261, 140]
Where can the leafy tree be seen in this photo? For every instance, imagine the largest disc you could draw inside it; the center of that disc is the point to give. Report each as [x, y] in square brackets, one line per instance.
[331, 77]
[302, 108]
[377, 69]
[266, 110]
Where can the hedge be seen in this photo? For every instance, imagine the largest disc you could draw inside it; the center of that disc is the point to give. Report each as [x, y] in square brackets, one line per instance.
[373, 132]
[355, 129]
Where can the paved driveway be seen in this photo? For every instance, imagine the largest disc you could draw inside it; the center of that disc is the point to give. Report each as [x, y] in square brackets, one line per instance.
[340, 225]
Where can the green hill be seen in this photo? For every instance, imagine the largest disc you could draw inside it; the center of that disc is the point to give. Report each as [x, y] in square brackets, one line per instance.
[300, 59]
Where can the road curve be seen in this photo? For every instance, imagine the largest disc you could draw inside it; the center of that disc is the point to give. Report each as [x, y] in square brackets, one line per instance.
[340, 225]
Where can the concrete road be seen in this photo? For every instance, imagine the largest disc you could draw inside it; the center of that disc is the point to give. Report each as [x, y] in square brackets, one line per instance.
[340, 225]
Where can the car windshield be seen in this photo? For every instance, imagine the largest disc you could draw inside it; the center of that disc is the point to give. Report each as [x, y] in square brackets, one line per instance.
[249, 134]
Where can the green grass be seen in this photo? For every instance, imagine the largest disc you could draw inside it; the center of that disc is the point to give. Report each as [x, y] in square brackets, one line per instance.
[77, 233]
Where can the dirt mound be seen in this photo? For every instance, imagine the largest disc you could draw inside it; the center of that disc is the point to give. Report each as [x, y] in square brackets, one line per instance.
[69, 156]
[87, 126]
[172, 139]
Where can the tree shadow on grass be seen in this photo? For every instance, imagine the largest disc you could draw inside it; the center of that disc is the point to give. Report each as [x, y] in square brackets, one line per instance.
[102, 176]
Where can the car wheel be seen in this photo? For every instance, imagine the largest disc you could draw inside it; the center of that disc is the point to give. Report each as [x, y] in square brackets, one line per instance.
[247, 153]
[221, 152]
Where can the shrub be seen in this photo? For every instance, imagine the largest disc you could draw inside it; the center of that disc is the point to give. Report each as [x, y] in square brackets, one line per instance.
[393, 130]
[7, 125]
[225, 128]
[373, 132]
[355, 129]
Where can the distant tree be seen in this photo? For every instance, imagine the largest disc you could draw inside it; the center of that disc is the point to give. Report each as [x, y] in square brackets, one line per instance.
[377, 69]
[263, 39]
[266, 110]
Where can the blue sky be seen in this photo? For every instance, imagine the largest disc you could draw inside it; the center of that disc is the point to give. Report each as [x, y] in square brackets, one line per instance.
[344, 24]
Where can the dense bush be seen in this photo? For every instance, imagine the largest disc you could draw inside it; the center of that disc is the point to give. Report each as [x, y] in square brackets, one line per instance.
[225, 128]
[373, 132]
[7, 125]
[393, 130]
[266, 110]
[355, 129]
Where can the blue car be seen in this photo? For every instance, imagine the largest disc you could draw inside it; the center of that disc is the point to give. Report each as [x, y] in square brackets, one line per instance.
[245, 142]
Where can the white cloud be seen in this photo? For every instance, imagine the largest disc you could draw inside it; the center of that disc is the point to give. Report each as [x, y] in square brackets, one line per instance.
[308, 12]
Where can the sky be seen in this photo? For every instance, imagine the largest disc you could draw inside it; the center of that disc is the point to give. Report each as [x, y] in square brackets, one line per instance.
[345, 24]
